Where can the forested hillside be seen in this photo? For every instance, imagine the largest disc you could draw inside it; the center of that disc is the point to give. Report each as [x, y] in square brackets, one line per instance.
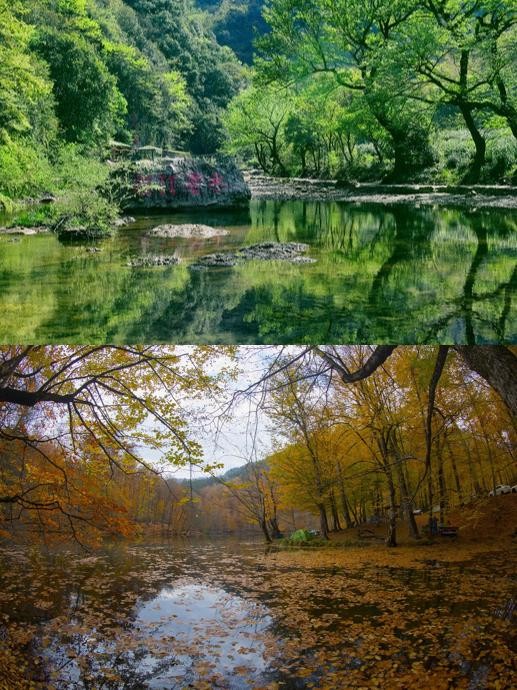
[407, 90]
[237, 23]
[76, 73]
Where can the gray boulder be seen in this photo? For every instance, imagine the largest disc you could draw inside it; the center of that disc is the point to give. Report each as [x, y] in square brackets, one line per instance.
[187, 231]
[181, 182]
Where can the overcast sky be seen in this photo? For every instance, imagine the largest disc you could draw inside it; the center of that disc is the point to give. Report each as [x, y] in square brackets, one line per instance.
[233, 441]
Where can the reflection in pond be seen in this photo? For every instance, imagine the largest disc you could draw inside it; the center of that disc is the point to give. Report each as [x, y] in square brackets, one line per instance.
[395, 274]
[185, 631]
[225, 614]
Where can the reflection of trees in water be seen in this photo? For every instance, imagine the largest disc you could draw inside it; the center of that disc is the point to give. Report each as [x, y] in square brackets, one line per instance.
[279, 306]
[410, 240]
[363, 288]
[466, 305]
[201, 311]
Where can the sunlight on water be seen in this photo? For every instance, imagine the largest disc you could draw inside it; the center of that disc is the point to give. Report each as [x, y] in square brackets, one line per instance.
[393, 274]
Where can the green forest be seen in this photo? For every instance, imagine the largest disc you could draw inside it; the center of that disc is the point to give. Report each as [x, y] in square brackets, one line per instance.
[405, 90]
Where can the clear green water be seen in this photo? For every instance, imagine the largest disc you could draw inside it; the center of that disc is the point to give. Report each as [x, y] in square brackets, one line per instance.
[383, 274]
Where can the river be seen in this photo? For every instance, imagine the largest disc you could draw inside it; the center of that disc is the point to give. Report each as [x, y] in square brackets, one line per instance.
[398, 274]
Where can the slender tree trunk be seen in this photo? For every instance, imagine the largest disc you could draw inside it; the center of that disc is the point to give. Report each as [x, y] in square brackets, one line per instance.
[265, 531]
[455, 473]
[324, 525]
[274, 528]
[506, 109]
[479, 142]
[344, 501]
[407, 506]
[441, 483]
[391, 539]
[336, 526]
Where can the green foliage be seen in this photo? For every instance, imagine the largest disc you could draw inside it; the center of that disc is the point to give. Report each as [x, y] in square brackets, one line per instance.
[89, 106]
[236, 23]
[24, 168]
[183, 36]
[85, 215]
[396, 67]
[75, 74]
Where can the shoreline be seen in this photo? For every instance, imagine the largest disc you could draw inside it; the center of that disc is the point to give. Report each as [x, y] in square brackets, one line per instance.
[473, 197]
[469, 198]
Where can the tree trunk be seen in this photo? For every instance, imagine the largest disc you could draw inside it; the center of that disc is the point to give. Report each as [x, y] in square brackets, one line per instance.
[407, 506]
[479, 142]
[441, 484]
[498, 366]
[506, 109]
[344, 501]
[265, 531]
[336, 526]
[455, 472]
[275, 529]
[324, 525]
[391, 539]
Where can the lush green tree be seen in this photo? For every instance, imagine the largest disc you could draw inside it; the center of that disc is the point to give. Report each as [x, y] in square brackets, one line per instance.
[212, 74]
[255, 122]
[89, 105]
[355, 42]
[25, 90]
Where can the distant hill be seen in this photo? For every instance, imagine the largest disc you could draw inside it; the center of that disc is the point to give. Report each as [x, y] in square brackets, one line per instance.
[200, 482]
[236, 24]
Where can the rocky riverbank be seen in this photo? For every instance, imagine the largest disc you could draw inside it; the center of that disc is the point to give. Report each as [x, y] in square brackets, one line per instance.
[293, 189]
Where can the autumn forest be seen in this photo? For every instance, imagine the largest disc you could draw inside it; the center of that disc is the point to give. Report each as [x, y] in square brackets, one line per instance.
[344, 452]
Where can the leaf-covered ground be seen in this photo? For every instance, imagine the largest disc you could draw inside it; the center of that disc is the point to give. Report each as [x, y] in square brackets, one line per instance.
[230, 615]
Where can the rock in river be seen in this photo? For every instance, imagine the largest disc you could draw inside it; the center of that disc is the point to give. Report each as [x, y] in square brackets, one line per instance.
[265, 251]
[187, 230]
[148, 260]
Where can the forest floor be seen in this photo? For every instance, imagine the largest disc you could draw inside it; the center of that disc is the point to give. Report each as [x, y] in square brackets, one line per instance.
[461, 196]
[437, 616]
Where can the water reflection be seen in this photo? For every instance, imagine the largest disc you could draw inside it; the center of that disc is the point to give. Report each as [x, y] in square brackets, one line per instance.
[225, 614]
[396, 274]
[187, 631]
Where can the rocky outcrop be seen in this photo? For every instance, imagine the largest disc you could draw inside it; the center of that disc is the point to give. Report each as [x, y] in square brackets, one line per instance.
[188, 182]
[265, 251]
[148, 260]
[188, 231]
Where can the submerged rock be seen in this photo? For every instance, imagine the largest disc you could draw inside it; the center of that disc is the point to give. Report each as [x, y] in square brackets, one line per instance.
[148, 260]
[264, 251]
[188, 230]
[279, 251]
[21, 230]
[80, 234]
[218, 259]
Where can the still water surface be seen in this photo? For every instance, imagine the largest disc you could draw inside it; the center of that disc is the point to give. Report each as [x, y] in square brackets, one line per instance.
[383, 274]
[228, 614]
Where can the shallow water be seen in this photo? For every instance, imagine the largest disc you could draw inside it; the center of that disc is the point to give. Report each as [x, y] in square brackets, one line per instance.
[229, 614]
[394, 274]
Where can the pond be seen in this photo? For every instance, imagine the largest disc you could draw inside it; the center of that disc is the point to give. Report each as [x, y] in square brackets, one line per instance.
[229, 614]
[395, 274]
